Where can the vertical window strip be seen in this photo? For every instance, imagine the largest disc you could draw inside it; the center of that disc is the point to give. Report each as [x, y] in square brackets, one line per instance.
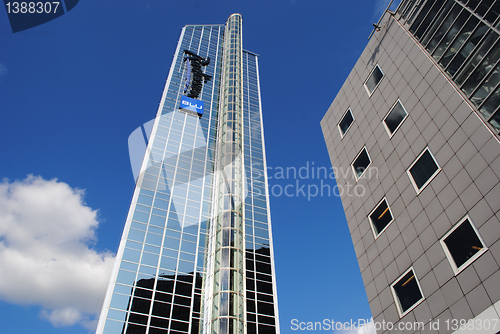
[466, 45]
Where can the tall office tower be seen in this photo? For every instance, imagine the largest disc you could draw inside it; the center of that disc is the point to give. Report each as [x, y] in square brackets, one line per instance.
[196, 254]
[413, 135]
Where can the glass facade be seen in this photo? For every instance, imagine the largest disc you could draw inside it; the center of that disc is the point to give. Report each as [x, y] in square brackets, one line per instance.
[462, 36]
[196, 253]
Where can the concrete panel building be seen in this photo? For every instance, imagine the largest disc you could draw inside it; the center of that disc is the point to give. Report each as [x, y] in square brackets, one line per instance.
[413, 136]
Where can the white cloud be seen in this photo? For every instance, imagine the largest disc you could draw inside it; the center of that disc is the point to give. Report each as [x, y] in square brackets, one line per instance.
[368, 328]
[365, 328]
[46, 255]
[62, 317]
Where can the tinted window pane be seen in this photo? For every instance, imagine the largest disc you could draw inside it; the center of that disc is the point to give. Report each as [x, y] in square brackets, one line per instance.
[407, 291]
[476, 58]
[361, 162]
[346, 122]
[463, 243]
[452, 32]
[429, 31]
[374, 79]
[420, 17]
[491, 104]
[381, 217]
[493, 13]
[467, 49]
[495, 121]
[445, 25]
[486, 87]
[459, 41]
[395, 117]
[423, 169]
[481, 71]
[135, 329]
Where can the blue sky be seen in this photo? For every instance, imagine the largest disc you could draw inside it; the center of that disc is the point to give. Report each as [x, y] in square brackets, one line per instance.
[72, 91]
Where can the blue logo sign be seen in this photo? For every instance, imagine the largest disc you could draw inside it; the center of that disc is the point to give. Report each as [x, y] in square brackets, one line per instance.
[191, 106]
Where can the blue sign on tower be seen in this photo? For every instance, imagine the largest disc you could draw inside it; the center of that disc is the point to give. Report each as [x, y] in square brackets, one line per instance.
[191, 106]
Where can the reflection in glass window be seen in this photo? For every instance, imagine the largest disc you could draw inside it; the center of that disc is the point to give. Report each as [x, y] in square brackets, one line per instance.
[493, 13]
[395, 118]
[361, 162]
[459, 41]
[445, 24]
[481, 70]
[423, 170]
[381, 217]
[423, 26]
[495, 121]
[462, 245]
[346, 122]
[466, 51]
[407, 293]
[119, 301]
[491, 104]
[422, 14]
[486, 87]
[452, 32]
[374, 79]
[430, 30]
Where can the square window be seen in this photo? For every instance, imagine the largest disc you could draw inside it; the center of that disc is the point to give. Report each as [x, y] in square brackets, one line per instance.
[374, 79]
[346, 122]
[462, 245]
[407, 292]
[361, 162]
[395, 118]
[423, 170]
[381, 217]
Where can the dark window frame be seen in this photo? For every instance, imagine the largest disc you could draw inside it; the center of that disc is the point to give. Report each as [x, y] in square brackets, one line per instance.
[377, 233]
[400, 122]
[457, 269]
[370, 93]
[342, 133]
[358, 177]
[431, 177]
[397, 298]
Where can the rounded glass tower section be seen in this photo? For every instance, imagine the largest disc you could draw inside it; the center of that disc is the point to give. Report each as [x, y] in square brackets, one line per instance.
[225, 292]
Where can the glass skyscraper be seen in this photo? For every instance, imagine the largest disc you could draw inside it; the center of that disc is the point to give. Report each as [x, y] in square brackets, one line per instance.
[196, 254]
